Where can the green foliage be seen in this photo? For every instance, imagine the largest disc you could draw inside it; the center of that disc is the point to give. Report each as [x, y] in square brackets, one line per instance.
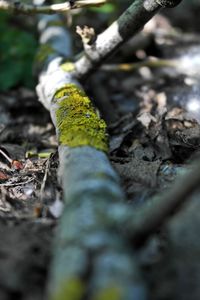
[17, 50]
[106, 9]
[111, 10]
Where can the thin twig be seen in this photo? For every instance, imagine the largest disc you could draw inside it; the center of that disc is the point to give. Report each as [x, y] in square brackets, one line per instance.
[128, 67]
[6, 156]
[18, 6]
[42, 188]
[18, 183]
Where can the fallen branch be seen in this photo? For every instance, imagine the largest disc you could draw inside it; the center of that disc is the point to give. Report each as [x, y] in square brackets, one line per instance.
[20, 7]
[128, 24]
[89, 258]
[151, 216]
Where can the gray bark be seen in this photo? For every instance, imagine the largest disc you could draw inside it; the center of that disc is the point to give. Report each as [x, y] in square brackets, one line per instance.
[128, 24]
[86, 248]
[89, 256]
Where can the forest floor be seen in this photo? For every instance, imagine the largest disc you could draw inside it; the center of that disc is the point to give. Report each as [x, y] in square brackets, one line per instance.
[153, 117]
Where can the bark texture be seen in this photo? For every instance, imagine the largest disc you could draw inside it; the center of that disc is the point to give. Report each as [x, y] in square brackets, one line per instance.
[20, 7]
[128, 24]
[90, 256]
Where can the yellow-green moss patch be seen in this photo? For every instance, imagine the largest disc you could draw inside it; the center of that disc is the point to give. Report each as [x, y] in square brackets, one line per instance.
[72, 289]
[67, 66]
[77, 122]
[110, 293]
[44, 51]
[57, 23]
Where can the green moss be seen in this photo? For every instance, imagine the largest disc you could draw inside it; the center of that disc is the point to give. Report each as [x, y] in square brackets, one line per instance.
[44, 51]
[77, 122]
[72, 289]
[110, 293]
[58, 23]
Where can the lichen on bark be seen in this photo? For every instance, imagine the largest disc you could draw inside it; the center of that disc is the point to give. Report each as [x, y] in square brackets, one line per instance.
[67, 66]
[72, 288]
[77, 121]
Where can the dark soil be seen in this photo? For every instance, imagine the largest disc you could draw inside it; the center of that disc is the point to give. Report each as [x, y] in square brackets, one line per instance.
[28, 190]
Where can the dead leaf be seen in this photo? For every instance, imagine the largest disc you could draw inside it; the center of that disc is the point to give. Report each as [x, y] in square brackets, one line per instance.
[146, 119]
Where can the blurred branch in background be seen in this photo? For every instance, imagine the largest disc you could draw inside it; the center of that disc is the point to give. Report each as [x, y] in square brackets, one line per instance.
[21, 7]
[127, 25]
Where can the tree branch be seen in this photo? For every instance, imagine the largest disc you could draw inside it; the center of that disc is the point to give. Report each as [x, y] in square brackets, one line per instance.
[20, 7]
[128, 24]
[89, 258]
[151, 216]
[150, 63]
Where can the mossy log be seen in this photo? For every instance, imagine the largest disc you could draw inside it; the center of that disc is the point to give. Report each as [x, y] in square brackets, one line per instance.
[90, 259]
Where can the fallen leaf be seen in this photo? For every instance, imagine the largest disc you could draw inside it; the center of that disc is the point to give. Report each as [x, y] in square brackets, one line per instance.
[4, 176]
[17, 165]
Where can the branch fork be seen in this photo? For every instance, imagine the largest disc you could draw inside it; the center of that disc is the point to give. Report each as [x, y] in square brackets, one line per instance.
[88, 239]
